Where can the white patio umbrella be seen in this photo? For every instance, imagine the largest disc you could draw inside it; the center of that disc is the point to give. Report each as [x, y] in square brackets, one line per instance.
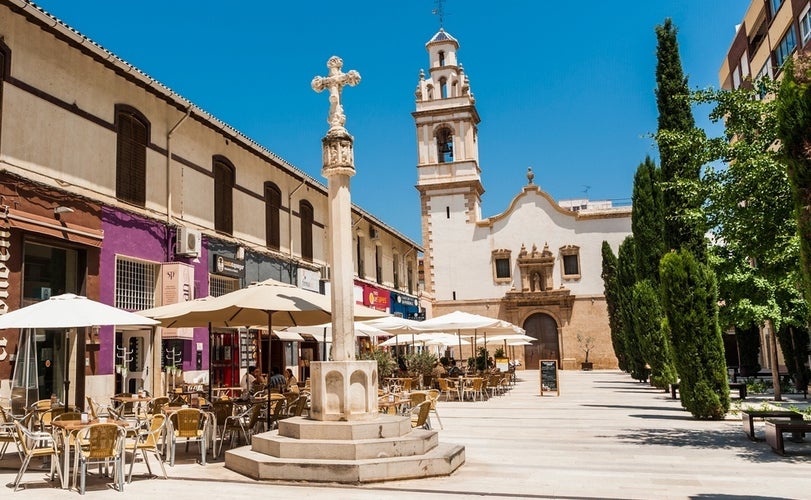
[70, 311]
[468, 323]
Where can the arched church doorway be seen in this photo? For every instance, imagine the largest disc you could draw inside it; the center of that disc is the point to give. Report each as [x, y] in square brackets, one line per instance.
[544, 328]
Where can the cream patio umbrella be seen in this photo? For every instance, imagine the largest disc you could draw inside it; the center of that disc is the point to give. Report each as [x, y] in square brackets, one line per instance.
[268, 302]
[467, 323]
[68, 311]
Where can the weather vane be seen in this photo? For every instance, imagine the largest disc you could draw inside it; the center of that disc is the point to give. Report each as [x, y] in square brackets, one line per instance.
[440, 11]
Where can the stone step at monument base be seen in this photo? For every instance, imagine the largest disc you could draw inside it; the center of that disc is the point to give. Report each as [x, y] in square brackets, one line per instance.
[416, 442]
[442, 460]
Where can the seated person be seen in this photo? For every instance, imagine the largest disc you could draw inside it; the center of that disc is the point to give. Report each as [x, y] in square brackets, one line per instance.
[438, 370]
[250, 381]
[291, 383]
[455, 371]
[276, 383]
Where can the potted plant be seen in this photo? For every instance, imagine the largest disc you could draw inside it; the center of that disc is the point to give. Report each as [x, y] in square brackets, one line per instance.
[586, 345]
[501, 358]
[386, 365]
[420, 364]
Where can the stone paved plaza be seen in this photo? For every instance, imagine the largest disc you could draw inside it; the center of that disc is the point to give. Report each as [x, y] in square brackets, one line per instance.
[605, 436]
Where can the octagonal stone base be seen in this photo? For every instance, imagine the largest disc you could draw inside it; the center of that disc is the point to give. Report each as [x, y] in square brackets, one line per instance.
[382, 449]
[343, 390]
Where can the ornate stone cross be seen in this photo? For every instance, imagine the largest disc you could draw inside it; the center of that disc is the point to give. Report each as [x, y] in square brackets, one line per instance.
[335, 82]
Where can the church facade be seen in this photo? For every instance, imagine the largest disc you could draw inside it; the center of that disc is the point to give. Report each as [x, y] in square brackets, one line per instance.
[537, 264]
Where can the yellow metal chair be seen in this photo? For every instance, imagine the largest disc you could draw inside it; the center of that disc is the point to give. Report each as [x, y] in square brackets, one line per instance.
[8, 434]
[245, 423]
[433, 397]
[419, 415]
[147, 442]
[99, 444]
[189, 424]
[36, 444]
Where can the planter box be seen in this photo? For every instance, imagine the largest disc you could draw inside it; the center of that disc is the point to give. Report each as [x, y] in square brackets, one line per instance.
[586, 366]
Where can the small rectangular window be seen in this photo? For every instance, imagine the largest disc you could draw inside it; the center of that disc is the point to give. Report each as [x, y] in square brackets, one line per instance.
[785, 47]
[570, 260]
[570, 265]
[502, 268]
[776, 6]
[805, 24]
[447, 212]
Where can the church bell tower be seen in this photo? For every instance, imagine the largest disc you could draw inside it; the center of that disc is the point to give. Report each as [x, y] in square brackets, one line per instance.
[448, 174]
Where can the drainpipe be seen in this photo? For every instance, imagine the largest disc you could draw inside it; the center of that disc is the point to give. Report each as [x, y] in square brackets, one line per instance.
[290, 216]
[169, 165]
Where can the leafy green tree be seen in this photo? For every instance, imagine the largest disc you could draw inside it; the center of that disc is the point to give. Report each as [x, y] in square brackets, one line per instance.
[691, 306]
[647, 221]
[750, 212]
[647, 324]
[626, 278]
[794, 344]
[611, 291]
[684, 224]
[794, 131]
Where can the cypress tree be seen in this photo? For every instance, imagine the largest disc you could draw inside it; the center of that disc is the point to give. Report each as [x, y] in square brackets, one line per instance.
[684, 226]
[691, 306]
[647, 223]
[648, 328]
[626, 278]
[611, 292]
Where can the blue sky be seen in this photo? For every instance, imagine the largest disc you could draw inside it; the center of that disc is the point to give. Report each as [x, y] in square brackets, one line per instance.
[564, 87]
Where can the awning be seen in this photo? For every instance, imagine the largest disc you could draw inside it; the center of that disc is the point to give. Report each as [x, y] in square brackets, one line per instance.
[55, 228]
[288, 336]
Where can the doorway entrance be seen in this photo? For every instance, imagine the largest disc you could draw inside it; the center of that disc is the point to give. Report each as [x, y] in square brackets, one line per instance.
[133, 355]
[544, 328]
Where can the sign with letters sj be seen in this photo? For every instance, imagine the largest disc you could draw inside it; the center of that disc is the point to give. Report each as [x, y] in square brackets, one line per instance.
[549, 376]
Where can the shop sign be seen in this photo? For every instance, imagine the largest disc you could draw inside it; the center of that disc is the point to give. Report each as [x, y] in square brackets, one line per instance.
[376, 298]
[309, 280]
[227, 266]
[177, 286]
[5, 255]
[406, 300]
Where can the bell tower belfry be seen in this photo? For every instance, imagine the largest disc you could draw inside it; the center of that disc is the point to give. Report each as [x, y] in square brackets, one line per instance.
[448, 174]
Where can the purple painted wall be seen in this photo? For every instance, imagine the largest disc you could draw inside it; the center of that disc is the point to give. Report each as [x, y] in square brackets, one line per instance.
[129, 235]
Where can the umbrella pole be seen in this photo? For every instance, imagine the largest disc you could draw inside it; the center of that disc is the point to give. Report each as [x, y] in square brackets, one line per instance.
[459, 338]
[66, 370]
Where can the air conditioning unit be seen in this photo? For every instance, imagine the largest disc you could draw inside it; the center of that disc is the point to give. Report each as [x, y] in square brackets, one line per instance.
[374, 233]
[188, 242]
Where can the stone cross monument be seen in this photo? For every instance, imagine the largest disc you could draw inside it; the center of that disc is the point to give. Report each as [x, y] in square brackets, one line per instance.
[343, 388]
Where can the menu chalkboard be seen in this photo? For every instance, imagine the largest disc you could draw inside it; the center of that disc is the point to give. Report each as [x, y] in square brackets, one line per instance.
[549, 376]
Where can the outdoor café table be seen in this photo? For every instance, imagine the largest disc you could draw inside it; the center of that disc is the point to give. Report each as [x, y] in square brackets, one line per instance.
[231, 392]
[385, 402]
[71, 428]
[137, 403]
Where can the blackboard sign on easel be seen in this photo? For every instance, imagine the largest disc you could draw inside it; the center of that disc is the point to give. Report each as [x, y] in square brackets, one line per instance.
[549, 376]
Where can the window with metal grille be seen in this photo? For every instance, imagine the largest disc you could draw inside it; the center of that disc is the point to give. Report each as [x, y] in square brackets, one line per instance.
[220, 285]
[307, 217]
[136, 283]
[273, 205]
[224, 180]
[132, 136]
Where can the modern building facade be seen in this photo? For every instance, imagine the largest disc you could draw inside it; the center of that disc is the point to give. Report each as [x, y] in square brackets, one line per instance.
[537, 264]
[115, 187]
[769, 33]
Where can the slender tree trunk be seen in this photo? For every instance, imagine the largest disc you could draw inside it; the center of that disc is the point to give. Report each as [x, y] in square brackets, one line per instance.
[773, 361]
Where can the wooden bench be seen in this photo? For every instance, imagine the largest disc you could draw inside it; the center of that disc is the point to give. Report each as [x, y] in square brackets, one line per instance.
[776, 428]
[748, 419]
[739, 386]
